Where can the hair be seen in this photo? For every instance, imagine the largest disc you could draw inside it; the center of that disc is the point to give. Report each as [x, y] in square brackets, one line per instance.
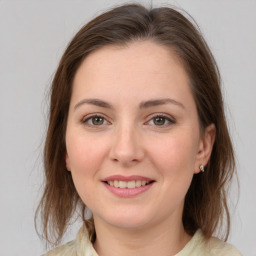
[205, 204]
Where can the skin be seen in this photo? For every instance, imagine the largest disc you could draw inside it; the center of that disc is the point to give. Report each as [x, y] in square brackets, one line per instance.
[128, 139]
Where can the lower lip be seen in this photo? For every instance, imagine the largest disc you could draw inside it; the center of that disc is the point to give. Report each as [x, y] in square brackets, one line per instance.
[128, 192]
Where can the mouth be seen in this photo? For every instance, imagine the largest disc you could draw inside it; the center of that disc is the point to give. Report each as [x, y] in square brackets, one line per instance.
[128, 184]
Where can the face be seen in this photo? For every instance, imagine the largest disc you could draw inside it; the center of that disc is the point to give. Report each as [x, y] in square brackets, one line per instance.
[133, 139]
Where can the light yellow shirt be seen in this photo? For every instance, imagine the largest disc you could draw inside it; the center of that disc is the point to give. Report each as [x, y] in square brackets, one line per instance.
[197, 246]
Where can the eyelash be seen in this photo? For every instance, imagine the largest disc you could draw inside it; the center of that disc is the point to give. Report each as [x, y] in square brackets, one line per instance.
[166, 118]
[87, 118]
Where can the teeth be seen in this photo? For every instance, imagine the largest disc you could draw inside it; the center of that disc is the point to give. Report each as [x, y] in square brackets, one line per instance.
[127, 184]
[131, 184]
[122, 184]
[116, 183]
[138, 183]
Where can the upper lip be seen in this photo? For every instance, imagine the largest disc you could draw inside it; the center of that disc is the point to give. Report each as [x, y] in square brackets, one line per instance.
[126, 178]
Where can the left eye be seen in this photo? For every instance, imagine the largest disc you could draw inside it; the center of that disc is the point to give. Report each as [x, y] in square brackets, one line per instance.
[95, 121]
[160, 121]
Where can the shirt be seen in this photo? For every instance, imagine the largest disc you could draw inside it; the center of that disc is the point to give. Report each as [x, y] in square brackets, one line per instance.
[197, 246]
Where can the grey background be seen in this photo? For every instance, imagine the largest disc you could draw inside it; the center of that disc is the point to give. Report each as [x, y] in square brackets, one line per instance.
[33, 35]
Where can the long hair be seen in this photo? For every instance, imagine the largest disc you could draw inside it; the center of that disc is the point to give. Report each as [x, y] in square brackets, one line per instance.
[205, 204]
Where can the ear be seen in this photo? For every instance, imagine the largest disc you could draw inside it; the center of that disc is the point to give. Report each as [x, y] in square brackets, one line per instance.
[67, 162]
[205, 147]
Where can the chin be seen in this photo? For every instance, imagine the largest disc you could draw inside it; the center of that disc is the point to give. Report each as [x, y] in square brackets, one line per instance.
[126, 220]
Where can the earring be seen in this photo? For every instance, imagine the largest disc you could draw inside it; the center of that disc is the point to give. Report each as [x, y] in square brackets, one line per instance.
[201, 167]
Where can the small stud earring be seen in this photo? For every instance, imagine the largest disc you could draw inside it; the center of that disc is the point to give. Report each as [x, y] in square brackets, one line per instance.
[201, 167]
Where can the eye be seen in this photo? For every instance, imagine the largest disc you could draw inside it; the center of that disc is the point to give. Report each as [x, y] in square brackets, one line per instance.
[161, 120]
[95, 120]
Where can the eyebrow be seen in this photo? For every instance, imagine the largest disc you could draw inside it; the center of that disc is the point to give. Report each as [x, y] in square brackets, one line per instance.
[145, 104]
[96, 102]
[157, 102]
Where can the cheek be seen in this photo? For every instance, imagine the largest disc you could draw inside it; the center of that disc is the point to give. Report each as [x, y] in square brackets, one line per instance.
[85, 157]
[85, 154]
[175, 157]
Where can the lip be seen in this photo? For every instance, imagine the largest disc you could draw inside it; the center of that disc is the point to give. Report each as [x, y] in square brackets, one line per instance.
[126, 178]
[127, 192]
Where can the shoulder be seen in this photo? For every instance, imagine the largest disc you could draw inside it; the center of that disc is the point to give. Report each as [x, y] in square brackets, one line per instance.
[68, 249]
[80, 246]
[220, 248]
[199, 246]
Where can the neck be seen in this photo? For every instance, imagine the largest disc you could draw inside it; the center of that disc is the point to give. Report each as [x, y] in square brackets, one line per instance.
[155, 240]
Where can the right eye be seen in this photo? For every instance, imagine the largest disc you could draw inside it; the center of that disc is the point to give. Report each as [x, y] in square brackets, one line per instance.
[95, 120]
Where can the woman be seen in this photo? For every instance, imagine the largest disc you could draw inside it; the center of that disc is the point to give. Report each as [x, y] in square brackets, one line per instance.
[137, 134]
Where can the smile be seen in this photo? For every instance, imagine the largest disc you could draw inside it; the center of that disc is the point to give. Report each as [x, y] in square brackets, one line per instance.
[127, 184]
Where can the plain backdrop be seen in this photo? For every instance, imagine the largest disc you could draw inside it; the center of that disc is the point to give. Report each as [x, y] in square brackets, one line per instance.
[33, 35]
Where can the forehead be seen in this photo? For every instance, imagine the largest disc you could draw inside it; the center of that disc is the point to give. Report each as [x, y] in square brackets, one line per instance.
[141, 57]
[139, 54]
[141, 67]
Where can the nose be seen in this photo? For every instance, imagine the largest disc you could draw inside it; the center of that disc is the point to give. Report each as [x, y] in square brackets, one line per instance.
[127, 146]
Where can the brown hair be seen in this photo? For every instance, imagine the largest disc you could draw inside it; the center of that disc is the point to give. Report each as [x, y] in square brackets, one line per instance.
[206, 202]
